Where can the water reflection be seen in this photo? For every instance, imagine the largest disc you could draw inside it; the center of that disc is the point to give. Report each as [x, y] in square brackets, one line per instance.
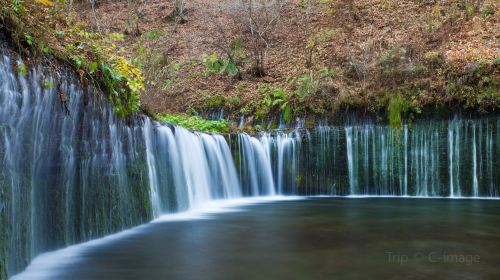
[317, 238]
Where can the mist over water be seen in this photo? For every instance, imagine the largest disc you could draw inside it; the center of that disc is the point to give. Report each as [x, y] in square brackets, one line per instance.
[69, 178]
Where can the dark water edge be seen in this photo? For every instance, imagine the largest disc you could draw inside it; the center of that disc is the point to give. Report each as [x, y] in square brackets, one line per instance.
[315, 238]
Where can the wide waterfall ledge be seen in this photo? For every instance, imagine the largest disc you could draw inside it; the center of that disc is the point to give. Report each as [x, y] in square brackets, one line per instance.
[67, 178]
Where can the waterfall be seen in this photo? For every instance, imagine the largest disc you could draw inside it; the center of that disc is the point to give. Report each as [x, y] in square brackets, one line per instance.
[70, 177]
[405, 193]
[255, 167]
[475, 187]
[152, 175]
[450, 160]
[350, 161]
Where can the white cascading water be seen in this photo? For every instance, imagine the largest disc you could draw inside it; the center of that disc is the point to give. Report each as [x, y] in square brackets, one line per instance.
[201, 166]
[451, 160]
[475, 186]
[281, 149]
[454, 131]
[350, 161]
[72, 177]
[255, 167]
[429, 161]
[152, 174]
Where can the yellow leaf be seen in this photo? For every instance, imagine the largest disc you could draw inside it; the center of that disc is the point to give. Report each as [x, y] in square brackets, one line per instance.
[46, 3]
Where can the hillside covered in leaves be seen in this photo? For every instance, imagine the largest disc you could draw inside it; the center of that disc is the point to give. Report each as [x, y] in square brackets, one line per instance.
[267, 62]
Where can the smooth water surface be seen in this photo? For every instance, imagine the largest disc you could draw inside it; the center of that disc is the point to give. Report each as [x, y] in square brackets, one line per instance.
[315, 238]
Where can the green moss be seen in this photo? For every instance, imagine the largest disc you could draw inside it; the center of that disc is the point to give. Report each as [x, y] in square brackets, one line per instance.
[21, 69]
[273, 124]
[215, 101]
[195, 123]
[394, 111]
[139, 186]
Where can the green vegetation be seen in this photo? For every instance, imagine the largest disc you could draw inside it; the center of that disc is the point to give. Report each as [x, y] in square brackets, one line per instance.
[394, 111]
[21, 69]
[289, 103]
[230, 66]
[215, 65]
[274, 99]
[195, 123]
[48, 28]
[311, 83]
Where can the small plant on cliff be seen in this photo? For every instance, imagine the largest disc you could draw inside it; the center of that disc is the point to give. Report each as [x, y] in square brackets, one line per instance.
[215, 65]
[275, 99]
[311, 83]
